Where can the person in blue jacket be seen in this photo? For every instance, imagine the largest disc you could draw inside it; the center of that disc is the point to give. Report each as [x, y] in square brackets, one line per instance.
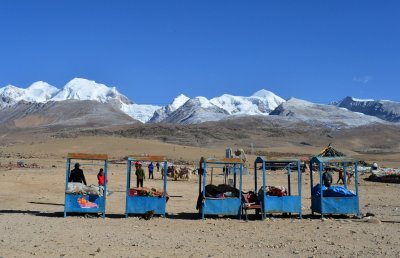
[151, 168]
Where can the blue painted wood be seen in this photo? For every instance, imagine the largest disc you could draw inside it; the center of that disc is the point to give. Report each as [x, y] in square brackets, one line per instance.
[280, 204]
[72, 204]
[143, 204]
[71, 200]
[226, 206]
[335, 205]
[223, 206]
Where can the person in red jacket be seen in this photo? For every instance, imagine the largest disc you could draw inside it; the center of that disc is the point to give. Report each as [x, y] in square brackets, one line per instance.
[100, 177]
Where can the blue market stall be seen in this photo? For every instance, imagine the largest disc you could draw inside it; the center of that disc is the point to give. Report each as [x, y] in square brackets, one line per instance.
[334, 199]
[289, 203]
[220, 204]
[86, 203]
[136, 204]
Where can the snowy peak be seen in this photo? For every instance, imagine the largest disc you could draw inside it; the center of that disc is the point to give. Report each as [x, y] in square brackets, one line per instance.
[260, 103]
[266, 94]
[12, 92]
[201, 102]
[40, 91]
[178, 102]
[162, 113]
[196, 110]
[37, 92]
[83, 89]
[328, 115]
[384, 109]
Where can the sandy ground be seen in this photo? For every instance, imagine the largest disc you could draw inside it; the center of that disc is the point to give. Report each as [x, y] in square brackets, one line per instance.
[31, 210]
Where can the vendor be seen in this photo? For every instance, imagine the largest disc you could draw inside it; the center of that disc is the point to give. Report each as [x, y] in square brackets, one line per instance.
[139, 175]
[76, 175]
[327, 178]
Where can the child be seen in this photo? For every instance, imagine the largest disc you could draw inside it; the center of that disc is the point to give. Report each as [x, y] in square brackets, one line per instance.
[100, 177]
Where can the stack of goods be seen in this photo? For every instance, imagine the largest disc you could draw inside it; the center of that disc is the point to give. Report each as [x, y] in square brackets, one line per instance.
[220, 192]
[146, 192]
[273, 191]
[79, 188]
[333, 191]
[385, 175]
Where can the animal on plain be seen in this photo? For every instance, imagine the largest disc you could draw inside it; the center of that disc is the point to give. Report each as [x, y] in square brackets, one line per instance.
[148, 215]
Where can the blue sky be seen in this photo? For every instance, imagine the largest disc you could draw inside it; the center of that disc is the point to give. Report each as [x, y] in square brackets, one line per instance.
[154, 50]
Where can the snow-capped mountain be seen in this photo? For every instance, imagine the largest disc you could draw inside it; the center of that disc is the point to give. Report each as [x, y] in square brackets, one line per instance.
[37, 92]
[143, 113]
[76, 89]
[167, 110]
[328, 115]
[384, 109]
[62, 114]
[260, 103]
[200, 109]
[196, 110]
[185, 110]
[82, 89]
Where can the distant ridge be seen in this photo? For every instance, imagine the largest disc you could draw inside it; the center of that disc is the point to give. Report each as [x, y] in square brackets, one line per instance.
[185, 110]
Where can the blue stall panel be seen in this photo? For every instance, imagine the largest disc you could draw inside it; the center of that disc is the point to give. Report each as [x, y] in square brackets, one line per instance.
[279, 204]
[143, 204]
[226, 206]
[84, 203]
[335, 205]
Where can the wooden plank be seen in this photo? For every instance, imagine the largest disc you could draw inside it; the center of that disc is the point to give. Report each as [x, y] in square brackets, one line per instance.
[221, 160]
[147, 158]
[87, 156]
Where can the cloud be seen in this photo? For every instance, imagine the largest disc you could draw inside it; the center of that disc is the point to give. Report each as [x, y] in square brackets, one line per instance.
[362, 79]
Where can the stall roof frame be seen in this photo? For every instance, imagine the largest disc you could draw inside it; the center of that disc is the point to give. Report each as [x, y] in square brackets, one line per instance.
[86, 156]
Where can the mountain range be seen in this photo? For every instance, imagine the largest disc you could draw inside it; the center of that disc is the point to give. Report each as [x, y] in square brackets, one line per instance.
[98, 101]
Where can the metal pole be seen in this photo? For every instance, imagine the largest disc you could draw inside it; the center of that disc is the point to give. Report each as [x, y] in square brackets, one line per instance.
[356, 182]
[105, 186]
[289, 187]
[200, 171]
[264, 193]
[165, 186]
[234, 175]
[128, 185]
[212, 172]
[240, 189]
[344, 174]
[204, 189]
[299, 184]
[320, 184]
[68, 167]
[255, 177]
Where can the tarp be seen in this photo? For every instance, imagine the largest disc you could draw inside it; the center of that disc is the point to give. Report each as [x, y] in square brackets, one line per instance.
[333, 191]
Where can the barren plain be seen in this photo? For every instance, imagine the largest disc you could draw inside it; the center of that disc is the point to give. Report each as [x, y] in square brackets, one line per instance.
[31, 205]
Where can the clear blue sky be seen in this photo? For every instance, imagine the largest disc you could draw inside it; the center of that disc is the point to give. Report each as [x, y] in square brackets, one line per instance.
[154, 50]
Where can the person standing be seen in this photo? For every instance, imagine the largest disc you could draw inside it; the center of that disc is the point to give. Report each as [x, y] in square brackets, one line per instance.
[100, 177]
[327, 178]
[158, 166]
[140, 176]
[76, 175]
[151, 168]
